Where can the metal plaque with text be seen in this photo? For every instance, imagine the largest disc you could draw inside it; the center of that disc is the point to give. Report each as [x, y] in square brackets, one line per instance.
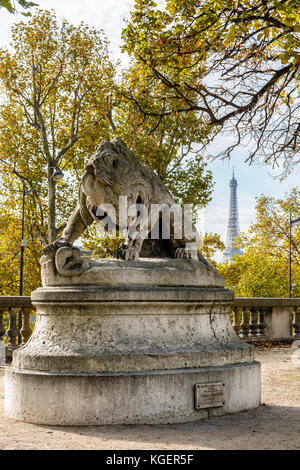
[209, 395]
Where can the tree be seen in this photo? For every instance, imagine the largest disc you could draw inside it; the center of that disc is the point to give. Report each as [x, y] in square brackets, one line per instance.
[169, 149]
[56, 81]
[235, 64]
[10, 6]
[263, 269]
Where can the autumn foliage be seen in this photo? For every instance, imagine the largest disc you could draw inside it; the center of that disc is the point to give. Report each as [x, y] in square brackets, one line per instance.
[262, 270]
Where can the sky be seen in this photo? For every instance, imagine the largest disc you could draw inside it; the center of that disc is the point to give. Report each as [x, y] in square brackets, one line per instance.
[252, 180]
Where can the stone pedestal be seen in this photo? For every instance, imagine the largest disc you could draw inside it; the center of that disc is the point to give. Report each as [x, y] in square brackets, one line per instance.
[124, 351]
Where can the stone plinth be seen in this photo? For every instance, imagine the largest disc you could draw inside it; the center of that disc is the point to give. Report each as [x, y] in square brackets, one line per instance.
[118, 354]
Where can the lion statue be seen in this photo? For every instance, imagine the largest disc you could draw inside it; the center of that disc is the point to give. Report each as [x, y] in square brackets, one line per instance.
[115, 171]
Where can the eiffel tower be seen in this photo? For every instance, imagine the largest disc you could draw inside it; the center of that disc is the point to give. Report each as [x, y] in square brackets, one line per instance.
[233, 229]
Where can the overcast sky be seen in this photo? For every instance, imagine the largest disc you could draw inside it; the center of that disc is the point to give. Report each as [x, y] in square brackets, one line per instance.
[252, 181]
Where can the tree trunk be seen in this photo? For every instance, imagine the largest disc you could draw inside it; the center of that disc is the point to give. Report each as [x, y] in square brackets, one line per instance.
[51, 206]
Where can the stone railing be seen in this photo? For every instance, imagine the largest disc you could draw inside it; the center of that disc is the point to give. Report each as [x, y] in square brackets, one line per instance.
[253, 319]
[11, 307]
[266, 318]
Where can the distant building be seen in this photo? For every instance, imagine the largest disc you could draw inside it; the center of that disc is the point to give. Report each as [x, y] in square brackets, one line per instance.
[233, 229]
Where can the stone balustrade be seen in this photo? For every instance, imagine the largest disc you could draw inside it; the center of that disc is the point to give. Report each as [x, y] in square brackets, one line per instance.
[253, 319]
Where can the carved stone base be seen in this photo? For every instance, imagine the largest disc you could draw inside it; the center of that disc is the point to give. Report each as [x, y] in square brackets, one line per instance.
[116, 354]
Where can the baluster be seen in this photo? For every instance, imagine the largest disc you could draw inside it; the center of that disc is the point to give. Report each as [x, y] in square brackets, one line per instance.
[2, 330]
[25, 330]
[296, 321]
[253, 322]
[236, 320]
[244, 333]
[12, 334]
[260, 323]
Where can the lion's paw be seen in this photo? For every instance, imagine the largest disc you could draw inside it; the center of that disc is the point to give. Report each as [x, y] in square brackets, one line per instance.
[186, 253]
[52, 248]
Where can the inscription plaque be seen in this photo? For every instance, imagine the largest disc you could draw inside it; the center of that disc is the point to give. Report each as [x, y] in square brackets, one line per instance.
[209, 395]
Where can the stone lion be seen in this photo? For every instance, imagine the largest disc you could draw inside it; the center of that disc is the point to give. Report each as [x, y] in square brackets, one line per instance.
[115, 171]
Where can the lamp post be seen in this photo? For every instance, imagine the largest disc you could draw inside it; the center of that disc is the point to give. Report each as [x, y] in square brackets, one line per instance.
[57, 176]
[290, 251]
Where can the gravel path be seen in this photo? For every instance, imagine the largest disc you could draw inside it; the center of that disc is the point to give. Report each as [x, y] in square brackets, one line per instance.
[274, 425]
